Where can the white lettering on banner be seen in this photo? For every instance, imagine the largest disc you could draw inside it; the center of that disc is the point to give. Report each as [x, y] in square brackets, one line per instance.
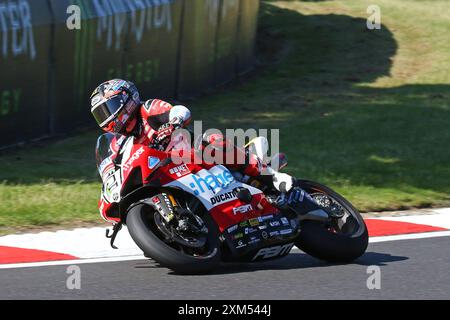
[145, 15]
[16, 29]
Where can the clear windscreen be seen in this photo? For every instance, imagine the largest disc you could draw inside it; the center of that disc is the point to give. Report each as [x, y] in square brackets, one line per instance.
[104, 149]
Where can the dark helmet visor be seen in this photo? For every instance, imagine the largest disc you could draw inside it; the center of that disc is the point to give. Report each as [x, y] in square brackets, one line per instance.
[106, 111]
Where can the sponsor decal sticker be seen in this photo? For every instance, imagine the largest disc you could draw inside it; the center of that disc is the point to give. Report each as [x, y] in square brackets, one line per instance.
[152, 162]
[223, 197]
[264, 218]
[211, 182]
[250, 230]
[105, 164]
[243, 224]
[286, 231]
[254, 240]
[274, 223]
[231, 229]
[180, 171]
[272, 252]
[264, 235]
[241, 244]
[242, 209]
[284, 221]
[253, 222]
[134, 157]
[238, 236]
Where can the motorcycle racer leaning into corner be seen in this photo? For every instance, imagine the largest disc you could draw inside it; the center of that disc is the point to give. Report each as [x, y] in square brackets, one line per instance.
[117, 108]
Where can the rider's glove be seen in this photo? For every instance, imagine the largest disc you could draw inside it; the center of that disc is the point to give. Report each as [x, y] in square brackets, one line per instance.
[164, 132]
[176, 122]
[281, 181]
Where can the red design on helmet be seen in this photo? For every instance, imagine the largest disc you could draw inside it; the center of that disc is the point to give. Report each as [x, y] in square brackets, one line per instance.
[114, 103]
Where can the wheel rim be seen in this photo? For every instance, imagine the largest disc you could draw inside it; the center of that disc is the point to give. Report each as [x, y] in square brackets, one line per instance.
[344, 220]
[188, 240]
[195, 247]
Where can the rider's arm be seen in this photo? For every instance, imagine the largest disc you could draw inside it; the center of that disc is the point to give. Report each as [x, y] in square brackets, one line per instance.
[156, 116]
[157, 113]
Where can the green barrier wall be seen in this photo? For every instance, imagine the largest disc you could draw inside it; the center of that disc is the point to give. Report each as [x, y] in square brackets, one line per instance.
[169, 48]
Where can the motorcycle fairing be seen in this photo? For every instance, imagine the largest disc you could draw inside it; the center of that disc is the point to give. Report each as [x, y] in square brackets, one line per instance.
[212, 187]
[215, 188]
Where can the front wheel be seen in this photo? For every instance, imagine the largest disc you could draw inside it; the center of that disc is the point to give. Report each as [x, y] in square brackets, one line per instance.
[187, 255]
[344, 238]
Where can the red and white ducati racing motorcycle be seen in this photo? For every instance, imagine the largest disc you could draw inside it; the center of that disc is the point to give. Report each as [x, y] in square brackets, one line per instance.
[191, 217]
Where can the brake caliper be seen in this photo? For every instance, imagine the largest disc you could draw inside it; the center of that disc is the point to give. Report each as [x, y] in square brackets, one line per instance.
[164, 206]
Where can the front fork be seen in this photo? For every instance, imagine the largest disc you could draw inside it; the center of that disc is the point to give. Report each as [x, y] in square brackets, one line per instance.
[173, 214]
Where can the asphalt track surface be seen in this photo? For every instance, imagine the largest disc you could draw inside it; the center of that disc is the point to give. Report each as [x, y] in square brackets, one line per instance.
[410, 269]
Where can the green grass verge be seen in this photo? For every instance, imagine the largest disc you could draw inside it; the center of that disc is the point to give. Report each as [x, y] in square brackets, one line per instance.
[365, 112]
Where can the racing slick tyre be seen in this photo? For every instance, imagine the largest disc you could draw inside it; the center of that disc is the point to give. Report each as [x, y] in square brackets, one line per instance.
[142, 228]
[342, 240]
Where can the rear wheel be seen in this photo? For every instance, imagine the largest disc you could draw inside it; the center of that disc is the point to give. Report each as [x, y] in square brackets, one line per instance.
[181, 252]
[344, 238]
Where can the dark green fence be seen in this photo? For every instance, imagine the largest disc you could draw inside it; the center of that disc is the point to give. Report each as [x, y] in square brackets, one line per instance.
[169, 48]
